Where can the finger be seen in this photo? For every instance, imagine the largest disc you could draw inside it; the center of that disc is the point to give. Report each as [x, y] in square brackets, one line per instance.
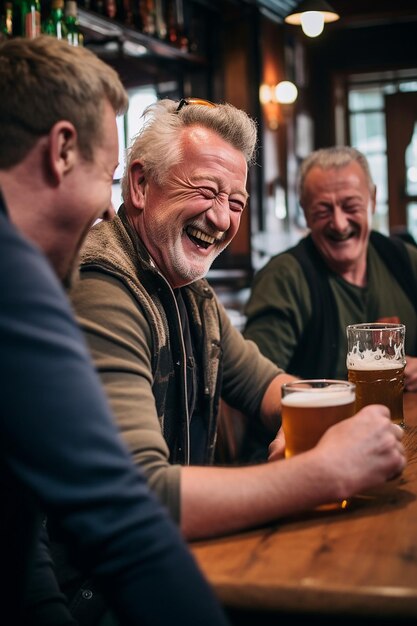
[401, 465]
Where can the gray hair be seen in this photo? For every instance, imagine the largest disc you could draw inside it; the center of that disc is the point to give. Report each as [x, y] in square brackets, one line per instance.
[158, 144]
[334, 157]
[45, 80]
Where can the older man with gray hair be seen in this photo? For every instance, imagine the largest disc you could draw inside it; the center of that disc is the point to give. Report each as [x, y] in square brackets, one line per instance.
[342, 273]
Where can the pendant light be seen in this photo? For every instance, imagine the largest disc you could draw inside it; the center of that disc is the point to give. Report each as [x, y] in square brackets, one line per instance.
[312, 15]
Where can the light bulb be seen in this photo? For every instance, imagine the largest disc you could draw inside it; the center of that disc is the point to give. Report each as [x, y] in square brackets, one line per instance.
[286, 92]
[265, 94]
[312, 23]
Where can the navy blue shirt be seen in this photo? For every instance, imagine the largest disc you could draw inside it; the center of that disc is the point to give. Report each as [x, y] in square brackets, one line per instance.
[59, 442]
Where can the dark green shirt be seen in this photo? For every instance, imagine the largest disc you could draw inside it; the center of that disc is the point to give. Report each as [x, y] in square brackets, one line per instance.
[279, 307]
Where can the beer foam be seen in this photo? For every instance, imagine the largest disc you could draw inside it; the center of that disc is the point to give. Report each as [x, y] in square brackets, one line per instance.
[373, 360]
[319, 398]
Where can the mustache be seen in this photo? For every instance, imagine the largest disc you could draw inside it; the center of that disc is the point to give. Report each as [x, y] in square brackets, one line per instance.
[336, 235]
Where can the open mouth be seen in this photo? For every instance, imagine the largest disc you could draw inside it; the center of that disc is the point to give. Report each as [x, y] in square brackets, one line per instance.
[202, 240]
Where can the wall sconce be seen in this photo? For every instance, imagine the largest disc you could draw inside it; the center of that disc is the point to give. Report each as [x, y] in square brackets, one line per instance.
[272, 96]
[312, 15]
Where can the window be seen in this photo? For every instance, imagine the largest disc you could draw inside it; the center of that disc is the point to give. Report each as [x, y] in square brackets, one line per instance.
[366, 120]
[128, 126]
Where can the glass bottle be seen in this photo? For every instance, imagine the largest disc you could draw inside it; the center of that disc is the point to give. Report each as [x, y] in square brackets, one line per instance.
[128, 13]
[147, 17]
[176, 27]
[74, 34]
[172, 33]
[160, 19]
[55, 25]
[31, 18]
[6, 23]
[110, 9]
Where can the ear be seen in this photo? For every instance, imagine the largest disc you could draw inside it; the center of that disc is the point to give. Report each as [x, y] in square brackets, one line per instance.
[137, 185]
[63, 149]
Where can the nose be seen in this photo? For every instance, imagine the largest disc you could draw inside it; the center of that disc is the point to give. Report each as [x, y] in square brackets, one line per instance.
[219, 215]
[339, 220]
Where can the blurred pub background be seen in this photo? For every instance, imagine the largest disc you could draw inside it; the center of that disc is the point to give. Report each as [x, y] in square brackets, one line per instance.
[356, 84]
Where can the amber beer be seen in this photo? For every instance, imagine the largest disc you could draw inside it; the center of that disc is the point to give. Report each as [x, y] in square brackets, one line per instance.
[375, 363]
[310, 407]
[384, 385]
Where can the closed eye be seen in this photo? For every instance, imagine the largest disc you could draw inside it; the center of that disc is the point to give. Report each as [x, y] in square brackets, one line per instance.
[352, 208]
[207, 192]
[321, 212]
[236, 205]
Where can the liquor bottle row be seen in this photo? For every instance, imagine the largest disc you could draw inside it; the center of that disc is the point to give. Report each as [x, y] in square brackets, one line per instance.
[167, 20]
[30, 18]
[172, 21]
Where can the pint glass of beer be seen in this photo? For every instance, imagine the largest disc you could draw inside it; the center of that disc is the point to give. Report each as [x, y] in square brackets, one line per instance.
[375, 363]
[310, 407]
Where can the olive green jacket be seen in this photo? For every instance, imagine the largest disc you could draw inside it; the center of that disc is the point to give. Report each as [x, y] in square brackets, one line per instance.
[130, 318]
[279, 309]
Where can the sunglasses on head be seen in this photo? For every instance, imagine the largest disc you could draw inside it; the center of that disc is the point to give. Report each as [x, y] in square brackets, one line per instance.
[187, 101]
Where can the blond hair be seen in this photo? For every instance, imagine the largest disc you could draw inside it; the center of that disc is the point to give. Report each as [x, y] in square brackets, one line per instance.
[45, 80]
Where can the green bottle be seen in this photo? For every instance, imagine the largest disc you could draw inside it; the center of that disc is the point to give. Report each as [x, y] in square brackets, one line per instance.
[31, 18]
[6, 22]
[74, 34]
[55, 25]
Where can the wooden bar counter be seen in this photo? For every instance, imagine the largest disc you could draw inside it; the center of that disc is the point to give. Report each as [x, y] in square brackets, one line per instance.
[357, 564]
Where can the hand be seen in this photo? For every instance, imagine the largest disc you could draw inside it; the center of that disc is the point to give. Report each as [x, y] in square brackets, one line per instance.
[276, 449]
[363, 451]
[411, 374]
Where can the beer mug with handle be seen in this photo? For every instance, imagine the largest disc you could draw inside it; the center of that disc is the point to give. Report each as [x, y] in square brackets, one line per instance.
[375, 362]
